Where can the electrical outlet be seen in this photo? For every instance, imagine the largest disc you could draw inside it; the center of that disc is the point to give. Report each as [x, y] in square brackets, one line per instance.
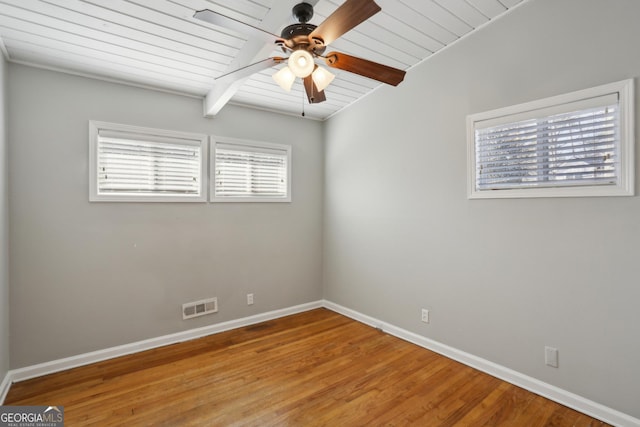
[249, 299]
[551, 356]
[425, 315]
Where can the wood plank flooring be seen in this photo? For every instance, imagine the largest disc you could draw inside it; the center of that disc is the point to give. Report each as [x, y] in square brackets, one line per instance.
[316, 368]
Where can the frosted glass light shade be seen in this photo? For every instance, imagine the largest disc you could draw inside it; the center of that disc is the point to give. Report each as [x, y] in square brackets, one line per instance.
[285, 78]
[322, 78]
[301, 63]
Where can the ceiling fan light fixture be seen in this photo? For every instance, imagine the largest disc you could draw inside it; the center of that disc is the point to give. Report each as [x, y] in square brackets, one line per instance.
[285, 78]
[322, 78]
[301, 63]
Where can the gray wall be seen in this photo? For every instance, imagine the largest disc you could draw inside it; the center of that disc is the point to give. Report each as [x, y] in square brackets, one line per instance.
[87, 276]
[502, 278]
[4, 226]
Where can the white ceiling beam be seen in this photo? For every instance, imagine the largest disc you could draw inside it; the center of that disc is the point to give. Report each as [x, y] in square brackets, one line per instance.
[254, 50]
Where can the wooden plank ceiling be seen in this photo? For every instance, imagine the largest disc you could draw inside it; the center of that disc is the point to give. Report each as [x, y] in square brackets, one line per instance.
[158, 43]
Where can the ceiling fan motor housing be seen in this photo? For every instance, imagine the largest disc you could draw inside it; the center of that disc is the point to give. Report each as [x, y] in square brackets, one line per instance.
[297, 35]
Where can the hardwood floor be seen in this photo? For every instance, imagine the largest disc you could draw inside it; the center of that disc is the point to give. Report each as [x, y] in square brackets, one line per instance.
[311, 369]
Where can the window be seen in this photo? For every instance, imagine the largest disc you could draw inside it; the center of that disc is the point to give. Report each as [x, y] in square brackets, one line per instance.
[247, 171]
[131, 163]
[578, 144]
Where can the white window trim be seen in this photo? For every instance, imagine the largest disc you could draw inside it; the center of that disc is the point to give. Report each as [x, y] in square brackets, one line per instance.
[247, 143]
[198, 139]
[626, 181]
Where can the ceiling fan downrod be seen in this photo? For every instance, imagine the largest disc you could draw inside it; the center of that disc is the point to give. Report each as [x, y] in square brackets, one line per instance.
[303, 12]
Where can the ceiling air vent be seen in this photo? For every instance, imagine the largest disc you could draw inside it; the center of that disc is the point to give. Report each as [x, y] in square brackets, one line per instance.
[199, 308]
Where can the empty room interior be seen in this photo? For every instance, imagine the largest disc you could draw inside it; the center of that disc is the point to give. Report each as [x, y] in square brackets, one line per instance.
[197, 229]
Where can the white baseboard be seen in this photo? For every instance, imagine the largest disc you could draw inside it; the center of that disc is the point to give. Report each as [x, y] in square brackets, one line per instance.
[46, 368]
[541, 388]
[4, 387]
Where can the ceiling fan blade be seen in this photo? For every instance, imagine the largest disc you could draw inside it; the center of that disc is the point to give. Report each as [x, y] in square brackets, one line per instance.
[229, 23]
[348, 15]
[313, 94]
[373, 70]
[251, 69]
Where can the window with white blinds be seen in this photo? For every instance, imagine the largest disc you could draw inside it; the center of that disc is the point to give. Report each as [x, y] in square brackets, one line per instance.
[140, 164]
[247, 171]
[579, 144]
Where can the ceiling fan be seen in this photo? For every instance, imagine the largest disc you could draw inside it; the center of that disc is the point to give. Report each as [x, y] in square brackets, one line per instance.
[305, 42]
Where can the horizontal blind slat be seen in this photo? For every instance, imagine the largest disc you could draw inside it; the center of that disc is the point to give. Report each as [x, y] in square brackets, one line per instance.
[585, 104]
[567, 123]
